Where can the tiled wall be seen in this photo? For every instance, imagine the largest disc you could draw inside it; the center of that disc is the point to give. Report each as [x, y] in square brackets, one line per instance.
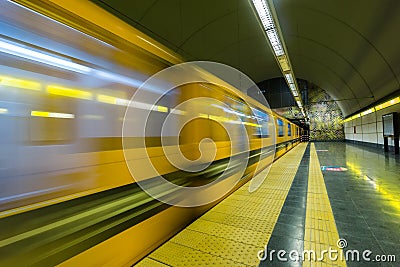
[369, 128]
[325, 116]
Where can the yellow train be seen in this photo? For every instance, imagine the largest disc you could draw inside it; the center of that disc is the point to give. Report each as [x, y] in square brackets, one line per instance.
[68, 72]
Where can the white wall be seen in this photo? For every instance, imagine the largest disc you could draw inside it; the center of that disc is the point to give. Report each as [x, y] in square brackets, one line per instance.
[369, 127]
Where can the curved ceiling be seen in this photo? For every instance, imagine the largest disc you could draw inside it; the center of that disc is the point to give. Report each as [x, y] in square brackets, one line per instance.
[348, 48]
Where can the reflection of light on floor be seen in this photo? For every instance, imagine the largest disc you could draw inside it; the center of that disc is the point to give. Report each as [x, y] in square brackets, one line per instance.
[371, 181]
[392, 199]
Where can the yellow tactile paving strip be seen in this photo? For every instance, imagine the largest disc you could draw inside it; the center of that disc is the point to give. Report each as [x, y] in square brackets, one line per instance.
[232, 233]
[320, 228]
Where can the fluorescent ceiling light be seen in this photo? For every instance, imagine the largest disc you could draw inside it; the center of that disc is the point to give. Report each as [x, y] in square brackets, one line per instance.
[294, 90]
[30, 54]
[369, 111]
[264, 14]
[289, 78]
[269, 26]
[275, 43]
[374, 109]
[388, 103]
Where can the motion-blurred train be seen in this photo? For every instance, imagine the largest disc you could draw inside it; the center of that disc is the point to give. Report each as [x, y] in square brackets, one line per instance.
[68, 70]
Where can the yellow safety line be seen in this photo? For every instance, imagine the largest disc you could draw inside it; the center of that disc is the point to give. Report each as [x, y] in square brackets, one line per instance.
[320, 229]
[234, 231]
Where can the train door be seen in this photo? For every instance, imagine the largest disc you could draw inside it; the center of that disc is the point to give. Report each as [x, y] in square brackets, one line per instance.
[11, 143]
[13, 133]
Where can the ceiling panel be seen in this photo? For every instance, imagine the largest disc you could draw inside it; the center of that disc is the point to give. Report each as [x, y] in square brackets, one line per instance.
[348, 48]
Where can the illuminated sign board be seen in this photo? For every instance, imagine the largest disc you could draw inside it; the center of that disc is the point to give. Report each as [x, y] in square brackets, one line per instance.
[390, 124]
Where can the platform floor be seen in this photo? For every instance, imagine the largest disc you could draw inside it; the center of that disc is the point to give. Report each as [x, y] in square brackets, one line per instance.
[316, 215]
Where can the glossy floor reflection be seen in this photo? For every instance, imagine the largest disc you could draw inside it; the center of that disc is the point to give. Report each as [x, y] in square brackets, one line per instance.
[301, 208]
[365, 199]
[288, 232]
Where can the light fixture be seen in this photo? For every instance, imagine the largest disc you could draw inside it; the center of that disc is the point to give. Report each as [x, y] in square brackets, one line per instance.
[275, 43]
[69, 92]
[20, 83]
[264, 13]
[299, 104]
[369, 111]
[271, 28]
[27, 53]
[386, 104]
[46, 114]
[289, 78]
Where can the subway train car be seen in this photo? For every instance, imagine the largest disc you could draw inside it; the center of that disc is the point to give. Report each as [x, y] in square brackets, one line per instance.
[71, 182]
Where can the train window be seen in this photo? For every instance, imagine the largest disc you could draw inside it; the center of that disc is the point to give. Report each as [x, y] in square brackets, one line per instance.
[262, 119]
[280, 127]
[289, 129]
[52, 120]
[48, 131]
